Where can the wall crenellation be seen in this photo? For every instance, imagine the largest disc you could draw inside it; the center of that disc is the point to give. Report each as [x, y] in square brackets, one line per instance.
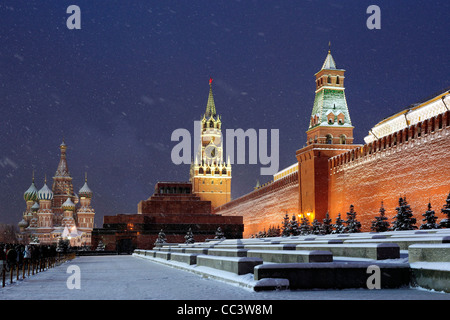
[421, 132]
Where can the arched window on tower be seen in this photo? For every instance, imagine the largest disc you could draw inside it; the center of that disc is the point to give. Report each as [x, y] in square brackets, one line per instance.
[342, 139]
[329, 139]
[329, 79]
[337, 80]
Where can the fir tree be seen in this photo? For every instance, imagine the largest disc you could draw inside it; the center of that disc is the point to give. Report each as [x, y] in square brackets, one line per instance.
[63, 245]
[100, 246]
[189, 237]
[316, 227]
[445, 223]
[305, 226]
[293, 225]
[219, 234]
[285, 229]
[380, 224]
[429, 219]
[260, 234]
[273, 232]
[404, 218]
[277, 231]
[339, 225]
[161, 238]
[327, 226]
[353, 225]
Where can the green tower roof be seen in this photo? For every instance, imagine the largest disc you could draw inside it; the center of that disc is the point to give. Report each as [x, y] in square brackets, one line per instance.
[330, 101]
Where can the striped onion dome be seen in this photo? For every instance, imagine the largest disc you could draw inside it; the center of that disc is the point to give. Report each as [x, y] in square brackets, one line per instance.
[23, 224]
[68, 205]
[32, 193]
[85, 191]
[45, 193]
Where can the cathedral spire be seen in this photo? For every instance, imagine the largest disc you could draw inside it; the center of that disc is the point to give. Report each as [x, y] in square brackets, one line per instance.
[210, 106]
[63, 169]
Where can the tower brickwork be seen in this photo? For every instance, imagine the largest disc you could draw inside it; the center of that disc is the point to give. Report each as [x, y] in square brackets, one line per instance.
[330, 133]
[210, 175]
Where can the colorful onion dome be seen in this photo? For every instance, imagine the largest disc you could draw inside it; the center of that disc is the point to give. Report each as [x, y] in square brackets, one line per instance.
[45, 193]
[23, 224]
[32, 193]
[68, 205]
[85, 191]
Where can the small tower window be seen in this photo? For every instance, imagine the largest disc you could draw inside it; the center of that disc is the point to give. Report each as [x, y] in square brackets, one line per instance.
[329, 79]
[337, 80]
[329, 139]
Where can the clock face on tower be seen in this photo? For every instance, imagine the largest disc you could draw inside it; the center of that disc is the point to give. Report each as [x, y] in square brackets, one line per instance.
[211, 152]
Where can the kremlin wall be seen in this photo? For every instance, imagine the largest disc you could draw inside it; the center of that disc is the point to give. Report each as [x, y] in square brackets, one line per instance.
[412, 163]
[404, 155]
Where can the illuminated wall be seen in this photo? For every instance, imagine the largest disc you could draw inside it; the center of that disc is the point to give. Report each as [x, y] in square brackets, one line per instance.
[265, 206]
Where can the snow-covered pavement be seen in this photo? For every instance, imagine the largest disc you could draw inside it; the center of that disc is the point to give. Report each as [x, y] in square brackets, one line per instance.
[129, 277]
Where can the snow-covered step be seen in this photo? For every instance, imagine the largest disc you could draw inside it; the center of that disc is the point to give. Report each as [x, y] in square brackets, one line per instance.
[228, 252]
[429, 252]
[162, 255]
[270, 247]
[237, 265]
[188, 258]
[229, 246]
[431, 275]
[335, 275]
[196, 250]
[403, 243]
[290, 256]
[375, 251]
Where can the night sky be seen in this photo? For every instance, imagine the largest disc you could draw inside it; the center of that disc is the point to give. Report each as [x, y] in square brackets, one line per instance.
[137, 70]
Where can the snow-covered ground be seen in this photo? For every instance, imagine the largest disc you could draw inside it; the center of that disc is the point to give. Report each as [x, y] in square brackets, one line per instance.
[133, 278]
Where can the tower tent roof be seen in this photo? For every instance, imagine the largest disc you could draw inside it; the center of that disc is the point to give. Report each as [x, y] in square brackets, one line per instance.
[329, 62]
[210, 106]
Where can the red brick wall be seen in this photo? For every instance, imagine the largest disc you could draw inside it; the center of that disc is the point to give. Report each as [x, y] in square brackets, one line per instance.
[265, 206]
[313, 171]
[392, 167]
[174, 205]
